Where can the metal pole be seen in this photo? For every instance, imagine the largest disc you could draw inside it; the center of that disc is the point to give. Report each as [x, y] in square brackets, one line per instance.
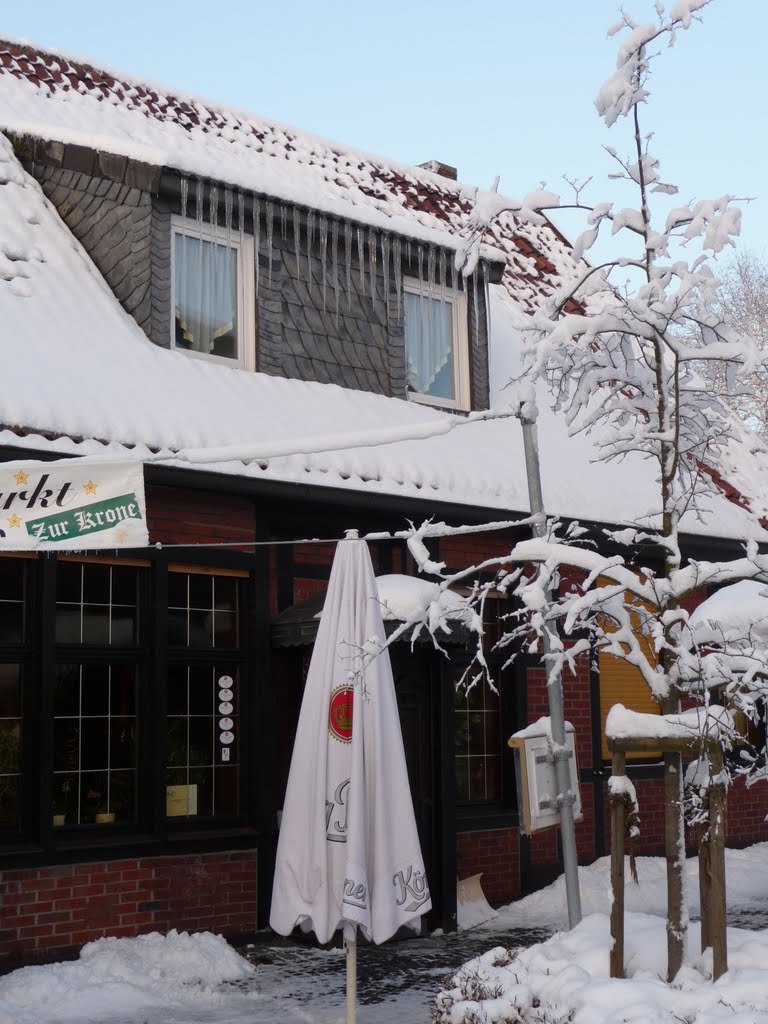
[565, 797]
[351, 945]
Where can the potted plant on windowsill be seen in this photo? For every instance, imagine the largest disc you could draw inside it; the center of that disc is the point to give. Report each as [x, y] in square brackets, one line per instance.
[60, 804]
[97, 804]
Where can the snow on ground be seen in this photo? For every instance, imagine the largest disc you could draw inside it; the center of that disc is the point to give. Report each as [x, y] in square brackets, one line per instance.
[129, 977]
[566, 978]
[183, 979]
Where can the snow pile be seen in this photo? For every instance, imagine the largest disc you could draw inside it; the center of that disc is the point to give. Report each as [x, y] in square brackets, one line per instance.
[567, 979]
[569, 973]
[125, 975]
[546, 908]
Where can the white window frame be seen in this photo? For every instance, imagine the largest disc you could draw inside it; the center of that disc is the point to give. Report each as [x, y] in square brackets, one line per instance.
[246, 299]
[459, 338]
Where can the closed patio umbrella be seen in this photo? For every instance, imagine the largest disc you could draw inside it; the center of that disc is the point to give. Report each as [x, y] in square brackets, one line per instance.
[348, 856]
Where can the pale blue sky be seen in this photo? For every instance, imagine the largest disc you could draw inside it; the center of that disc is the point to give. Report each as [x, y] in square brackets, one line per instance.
[505, 89]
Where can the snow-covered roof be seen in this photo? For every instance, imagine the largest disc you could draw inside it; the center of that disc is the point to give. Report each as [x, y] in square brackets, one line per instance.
[105, 386]
[55, 96]
[80, 378]
[740, 608]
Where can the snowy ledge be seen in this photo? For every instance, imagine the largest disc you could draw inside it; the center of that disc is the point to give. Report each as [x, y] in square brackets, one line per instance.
[712, 723]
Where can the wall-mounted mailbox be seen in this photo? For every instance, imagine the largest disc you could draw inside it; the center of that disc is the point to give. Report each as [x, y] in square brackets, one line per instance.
[535, 773]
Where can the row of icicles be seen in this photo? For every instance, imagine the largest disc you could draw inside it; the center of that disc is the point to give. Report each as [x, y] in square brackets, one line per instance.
[433, 267]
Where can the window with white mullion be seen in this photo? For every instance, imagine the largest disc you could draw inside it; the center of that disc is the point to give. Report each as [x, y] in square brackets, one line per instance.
[212, 293]
[95, 758]
[436, 344]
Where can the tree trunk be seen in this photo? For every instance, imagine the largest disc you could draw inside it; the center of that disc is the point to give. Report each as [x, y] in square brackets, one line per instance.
[674, 845]
[618, 806]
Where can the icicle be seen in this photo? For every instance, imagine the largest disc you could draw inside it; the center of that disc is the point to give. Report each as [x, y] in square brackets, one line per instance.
[361, 259]
[297, 240]
[257, 237]
[372, 257]
[397, 259]
[181, 253]
[348, 258]
[487, 288]
[452, 262]
[408, 254]
[213, 207]
[241, 242]
[228, 200]
[431, 261]
[474, 305]
[335, 268]
[310, 240]
[386, 243]
[270, 224]
[419, 254]
[323, 232]
[199, 206]
[199, 200]
[443, 276]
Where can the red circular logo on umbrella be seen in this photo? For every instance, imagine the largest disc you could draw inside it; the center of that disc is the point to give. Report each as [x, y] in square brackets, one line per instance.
[340, 714]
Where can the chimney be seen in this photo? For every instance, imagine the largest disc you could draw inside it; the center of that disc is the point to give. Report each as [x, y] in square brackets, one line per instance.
[445, 170]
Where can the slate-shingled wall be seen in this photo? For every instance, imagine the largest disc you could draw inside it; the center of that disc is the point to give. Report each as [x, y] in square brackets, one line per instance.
[112, 220]
[113, 206]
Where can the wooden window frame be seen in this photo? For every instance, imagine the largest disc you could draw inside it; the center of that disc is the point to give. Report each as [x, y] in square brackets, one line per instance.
[460, 343]
[243, 246]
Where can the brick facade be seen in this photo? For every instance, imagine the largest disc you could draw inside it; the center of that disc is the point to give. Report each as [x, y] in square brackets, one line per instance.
[495, 853]
[178, 515]
[51, 910]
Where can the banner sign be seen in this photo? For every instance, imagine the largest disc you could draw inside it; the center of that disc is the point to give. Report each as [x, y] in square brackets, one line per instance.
[72, 505]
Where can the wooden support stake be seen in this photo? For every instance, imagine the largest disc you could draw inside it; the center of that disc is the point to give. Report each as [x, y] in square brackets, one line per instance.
[717, 844]
[705, 889]
[617, 871]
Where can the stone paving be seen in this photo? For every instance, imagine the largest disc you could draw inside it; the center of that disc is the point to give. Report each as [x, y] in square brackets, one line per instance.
[391, 977]
[397, 982]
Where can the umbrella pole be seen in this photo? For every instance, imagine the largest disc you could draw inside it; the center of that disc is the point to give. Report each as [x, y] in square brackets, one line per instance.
[351, 945]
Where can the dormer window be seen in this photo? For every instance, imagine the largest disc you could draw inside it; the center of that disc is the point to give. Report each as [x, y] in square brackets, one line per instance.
[436, 344]
[212, 297]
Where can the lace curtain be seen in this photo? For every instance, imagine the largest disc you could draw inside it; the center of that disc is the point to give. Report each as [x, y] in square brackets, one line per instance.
[429, 345]
[206, 296]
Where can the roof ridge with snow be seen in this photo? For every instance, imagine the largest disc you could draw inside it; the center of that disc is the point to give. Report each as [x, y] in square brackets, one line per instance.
[50, 96]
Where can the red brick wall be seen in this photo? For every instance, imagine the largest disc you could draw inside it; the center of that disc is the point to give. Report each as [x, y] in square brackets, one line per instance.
[747, 811]
[746, 815]
[496, 854]
[464, 550]
[177, 515]
[50, 910]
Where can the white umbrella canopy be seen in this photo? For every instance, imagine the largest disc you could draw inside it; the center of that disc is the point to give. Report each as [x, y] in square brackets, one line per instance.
[348, 855]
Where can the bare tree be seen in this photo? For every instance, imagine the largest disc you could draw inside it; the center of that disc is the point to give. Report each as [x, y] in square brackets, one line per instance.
[743, 302]
[624, 362]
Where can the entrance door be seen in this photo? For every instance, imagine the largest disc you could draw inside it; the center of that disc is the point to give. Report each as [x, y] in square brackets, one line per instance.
[414, 674]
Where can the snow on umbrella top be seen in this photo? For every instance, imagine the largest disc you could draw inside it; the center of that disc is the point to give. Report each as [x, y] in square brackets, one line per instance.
[348, 854]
